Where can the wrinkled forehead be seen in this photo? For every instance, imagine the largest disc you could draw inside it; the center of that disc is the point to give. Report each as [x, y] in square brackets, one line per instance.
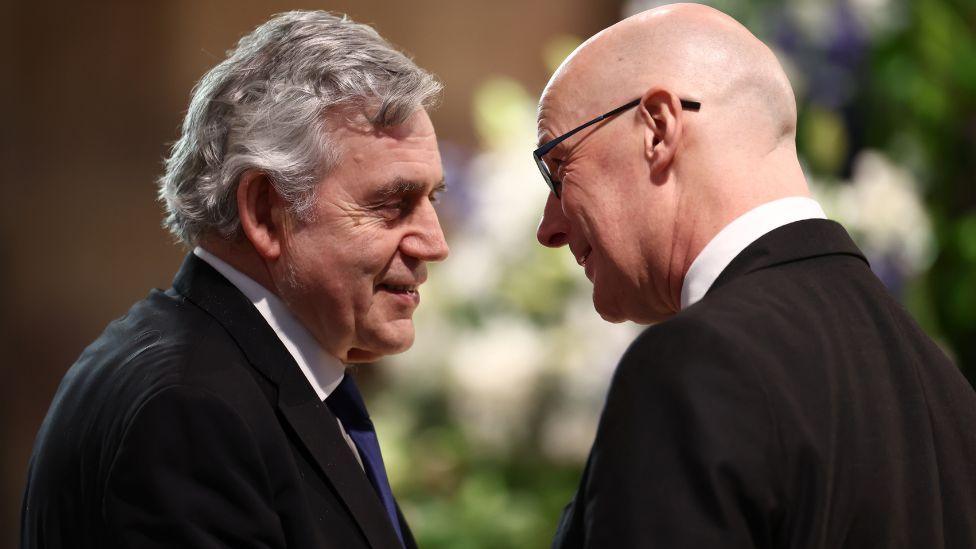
[563, 105]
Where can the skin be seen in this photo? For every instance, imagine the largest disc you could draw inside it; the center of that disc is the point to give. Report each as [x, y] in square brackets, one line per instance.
[372, 227]
[645, 191]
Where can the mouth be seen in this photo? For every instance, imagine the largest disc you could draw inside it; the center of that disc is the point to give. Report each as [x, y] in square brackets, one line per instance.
[581, 259]
[406, 289]
[399, 286]
[404, 294]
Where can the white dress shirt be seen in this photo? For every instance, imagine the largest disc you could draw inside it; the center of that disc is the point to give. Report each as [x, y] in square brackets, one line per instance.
[737, 236]
[322, 370]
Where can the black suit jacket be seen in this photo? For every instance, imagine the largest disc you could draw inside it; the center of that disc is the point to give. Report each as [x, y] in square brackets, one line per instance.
[188, 424]
[796, 405]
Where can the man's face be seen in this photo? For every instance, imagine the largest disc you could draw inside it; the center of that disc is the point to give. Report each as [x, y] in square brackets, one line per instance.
[351, 272]
[604, 213]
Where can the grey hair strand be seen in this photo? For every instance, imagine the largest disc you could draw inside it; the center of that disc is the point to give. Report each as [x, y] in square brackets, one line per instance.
[264, 108]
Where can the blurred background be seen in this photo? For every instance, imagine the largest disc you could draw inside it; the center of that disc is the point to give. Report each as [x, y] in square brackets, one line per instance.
[486, 422]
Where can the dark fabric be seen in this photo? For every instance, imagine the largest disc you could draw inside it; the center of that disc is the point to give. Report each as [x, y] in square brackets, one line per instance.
[187, 424]
[797, 405]
[347, 404]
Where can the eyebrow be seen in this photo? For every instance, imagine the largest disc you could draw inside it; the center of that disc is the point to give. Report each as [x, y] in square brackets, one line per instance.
[400, 187]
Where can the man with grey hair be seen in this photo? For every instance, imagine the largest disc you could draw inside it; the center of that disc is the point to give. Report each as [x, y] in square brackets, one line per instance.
[218, 413]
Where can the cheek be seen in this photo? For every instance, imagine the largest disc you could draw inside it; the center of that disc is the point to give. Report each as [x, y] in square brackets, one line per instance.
[374, 252]
[321, 266]
[358, 250]
[364, 262]
[608, 227]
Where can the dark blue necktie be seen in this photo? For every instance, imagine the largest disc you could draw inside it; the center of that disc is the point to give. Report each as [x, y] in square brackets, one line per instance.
[347, 405]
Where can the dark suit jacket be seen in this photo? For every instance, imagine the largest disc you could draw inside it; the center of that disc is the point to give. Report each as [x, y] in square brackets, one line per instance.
[188, 424]
[796, 405]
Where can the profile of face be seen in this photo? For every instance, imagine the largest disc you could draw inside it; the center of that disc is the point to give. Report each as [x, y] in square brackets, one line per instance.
[352, 270]
[612, 212]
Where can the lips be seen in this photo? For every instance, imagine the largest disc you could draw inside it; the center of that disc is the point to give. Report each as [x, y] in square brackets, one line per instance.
[404, 294]
[399, 288]
[581, 259]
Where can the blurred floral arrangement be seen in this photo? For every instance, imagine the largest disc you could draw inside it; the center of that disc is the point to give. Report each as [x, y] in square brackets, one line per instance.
[487, 420]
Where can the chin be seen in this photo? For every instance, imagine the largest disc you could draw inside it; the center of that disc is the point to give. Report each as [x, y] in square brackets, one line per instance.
[619, 305]
[638, 317]
[613, 318]
[392, 338]
[608, 312]
[608, 306]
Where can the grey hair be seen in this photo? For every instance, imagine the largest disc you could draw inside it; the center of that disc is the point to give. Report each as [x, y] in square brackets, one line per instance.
[264, 108]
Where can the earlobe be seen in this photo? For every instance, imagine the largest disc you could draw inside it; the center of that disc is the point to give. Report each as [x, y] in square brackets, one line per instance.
[661, 113]
[256, 205]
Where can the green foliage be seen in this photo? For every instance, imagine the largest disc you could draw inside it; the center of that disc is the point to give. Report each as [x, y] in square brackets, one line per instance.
[922, 87]
[494, 504]
[823, 137]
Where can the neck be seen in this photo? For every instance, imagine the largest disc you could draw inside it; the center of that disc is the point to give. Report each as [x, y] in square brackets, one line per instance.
[712, 205]
[243, 257]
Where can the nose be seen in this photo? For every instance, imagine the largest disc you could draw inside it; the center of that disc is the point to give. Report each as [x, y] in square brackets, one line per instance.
[426, 240]
[554, 227]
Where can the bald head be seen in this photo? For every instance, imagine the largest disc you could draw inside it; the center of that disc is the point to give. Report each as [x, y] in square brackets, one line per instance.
[696, 52]
[643, 191]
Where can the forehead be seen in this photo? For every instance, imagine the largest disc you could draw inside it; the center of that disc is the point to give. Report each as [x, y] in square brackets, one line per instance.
[370, 156]
[412, 142]
[586, 85]
[568, 101]
[557, 113]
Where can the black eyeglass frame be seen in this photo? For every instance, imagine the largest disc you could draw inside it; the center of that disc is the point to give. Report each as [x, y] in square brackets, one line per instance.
[543, 150]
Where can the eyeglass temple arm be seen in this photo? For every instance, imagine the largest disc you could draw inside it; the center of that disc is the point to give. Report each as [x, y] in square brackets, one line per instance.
[685, 104]
[549, 146]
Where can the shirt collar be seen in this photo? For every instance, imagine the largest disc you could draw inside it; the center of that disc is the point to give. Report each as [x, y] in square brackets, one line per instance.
[323, 371]
[737, 236]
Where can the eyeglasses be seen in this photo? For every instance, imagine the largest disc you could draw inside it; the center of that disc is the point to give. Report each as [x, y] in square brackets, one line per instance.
[555, 184]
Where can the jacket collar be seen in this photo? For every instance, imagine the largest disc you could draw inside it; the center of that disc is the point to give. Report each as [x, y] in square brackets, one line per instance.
[737, 235]
[309, 417]
[793, 242]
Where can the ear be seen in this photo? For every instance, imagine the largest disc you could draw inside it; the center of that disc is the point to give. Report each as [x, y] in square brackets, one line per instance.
[662, 116]
[260, 211]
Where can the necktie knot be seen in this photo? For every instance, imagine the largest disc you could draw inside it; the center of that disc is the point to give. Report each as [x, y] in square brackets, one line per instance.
[347, 404]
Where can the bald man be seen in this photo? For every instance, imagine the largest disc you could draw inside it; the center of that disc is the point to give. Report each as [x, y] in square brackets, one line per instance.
[782, 398]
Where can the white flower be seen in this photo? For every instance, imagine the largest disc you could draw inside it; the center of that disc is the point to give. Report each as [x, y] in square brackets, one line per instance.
[882, 208]
[508, 198]
[879, 16]
[494, 373]
[473, 268]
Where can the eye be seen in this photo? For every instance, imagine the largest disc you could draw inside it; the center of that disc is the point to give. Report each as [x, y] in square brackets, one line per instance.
[392, 209]
[560, 172]
[435, 195]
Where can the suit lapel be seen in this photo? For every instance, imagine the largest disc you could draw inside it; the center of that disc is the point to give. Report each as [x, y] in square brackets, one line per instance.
[310, 419]
[792, 242]
[408, 540]
[570, 532]
[318, 430]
